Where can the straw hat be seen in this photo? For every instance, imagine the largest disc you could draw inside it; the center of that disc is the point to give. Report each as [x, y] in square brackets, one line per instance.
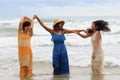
[57, 21]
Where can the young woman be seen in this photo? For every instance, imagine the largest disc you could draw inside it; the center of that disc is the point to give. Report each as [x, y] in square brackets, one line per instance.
[60, 57]
[96, 39]
[25, 33]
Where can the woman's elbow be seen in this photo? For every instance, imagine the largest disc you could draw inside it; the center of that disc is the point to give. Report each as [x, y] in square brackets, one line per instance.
[84, 37]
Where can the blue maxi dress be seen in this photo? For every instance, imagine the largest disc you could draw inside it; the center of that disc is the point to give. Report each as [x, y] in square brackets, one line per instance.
[60, 58]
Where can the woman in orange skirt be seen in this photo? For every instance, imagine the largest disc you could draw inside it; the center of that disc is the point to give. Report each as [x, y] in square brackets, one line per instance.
[25, 33]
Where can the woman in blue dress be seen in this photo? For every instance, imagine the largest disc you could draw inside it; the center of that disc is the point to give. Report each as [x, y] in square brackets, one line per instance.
[60, 58]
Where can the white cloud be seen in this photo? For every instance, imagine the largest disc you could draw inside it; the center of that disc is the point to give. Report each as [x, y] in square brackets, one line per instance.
[18, 8]
[79, 11]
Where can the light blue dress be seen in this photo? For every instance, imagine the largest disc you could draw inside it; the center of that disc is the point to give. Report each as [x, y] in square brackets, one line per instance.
[60, 57]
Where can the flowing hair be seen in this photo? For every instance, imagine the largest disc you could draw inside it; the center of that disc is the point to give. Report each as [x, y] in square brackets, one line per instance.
[102, 25]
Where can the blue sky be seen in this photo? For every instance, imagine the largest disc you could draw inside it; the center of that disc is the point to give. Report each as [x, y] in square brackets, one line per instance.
[53, 8]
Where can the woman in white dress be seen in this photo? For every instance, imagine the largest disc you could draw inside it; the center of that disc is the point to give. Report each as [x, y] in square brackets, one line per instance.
[96, 39]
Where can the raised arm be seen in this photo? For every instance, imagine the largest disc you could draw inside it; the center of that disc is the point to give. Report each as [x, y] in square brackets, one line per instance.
[20, 24]
[43, 25]
[32, 22]
[22, 20]
[32, 25]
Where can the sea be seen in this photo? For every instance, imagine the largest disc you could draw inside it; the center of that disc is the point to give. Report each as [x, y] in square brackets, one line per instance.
[79, 49]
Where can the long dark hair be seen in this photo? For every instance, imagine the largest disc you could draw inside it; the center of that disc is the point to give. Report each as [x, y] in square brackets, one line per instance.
[102, 25]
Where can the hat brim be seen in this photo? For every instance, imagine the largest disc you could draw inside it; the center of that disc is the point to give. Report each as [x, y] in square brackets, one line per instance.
[59, 22]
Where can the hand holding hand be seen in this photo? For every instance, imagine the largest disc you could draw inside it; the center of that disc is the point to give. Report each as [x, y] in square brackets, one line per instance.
[35, 16]
[78, 31]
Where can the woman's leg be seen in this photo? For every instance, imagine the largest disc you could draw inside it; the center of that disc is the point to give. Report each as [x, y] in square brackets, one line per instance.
[23, 71]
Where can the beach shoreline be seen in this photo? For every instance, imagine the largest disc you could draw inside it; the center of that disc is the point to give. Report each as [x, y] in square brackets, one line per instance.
[44, 72]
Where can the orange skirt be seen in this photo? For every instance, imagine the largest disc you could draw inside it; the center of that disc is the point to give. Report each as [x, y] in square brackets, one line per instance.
[25, 60]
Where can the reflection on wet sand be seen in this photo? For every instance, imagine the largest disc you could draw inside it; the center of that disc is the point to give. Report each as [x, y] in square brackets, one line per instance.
[26, 78]
[97, 77]
[60, 77]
